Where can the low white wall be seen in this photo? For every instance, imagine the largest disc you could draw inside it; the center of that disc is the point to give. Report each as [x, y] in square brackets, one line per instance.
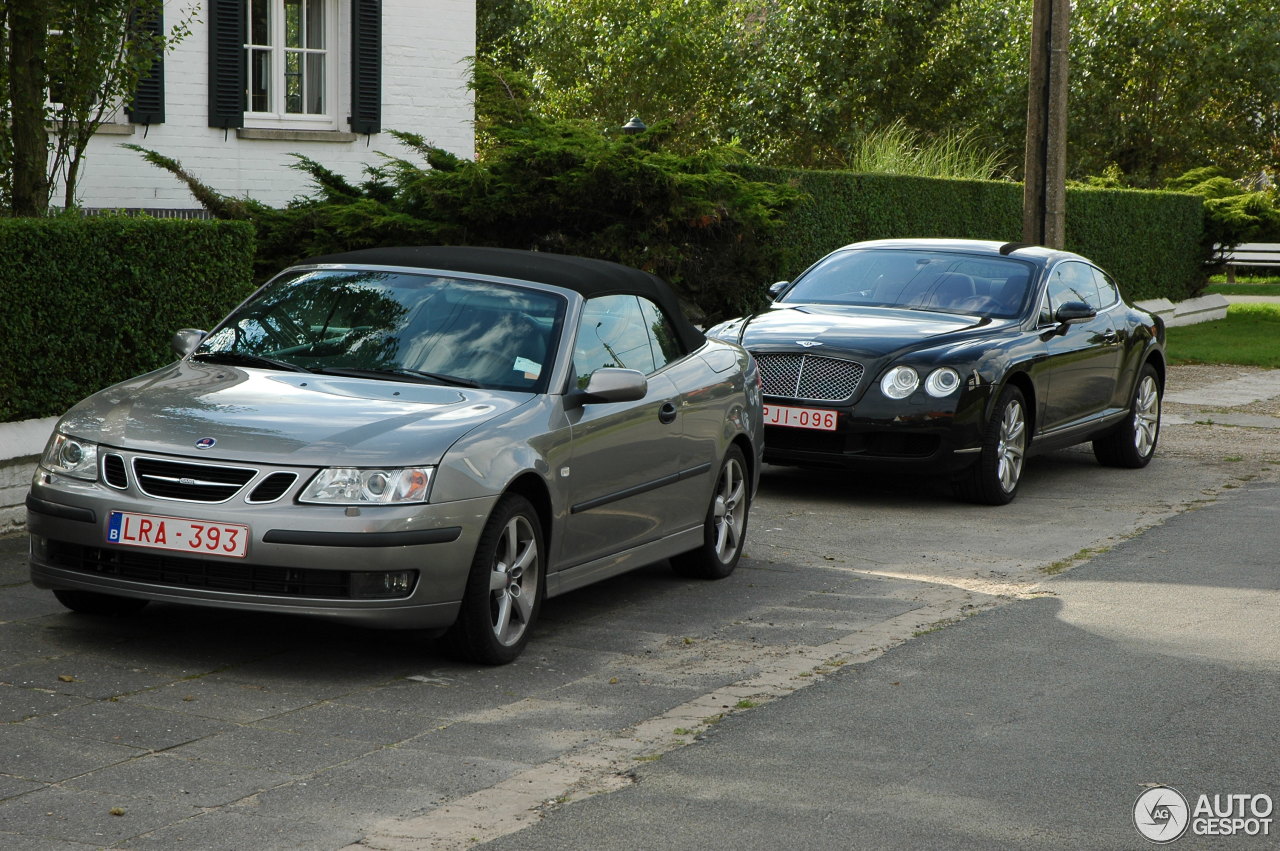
[20, 446]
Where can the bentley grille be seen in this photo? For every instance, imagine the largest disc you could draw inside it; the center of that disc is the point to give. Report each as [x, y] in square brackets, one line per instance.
[799, 376]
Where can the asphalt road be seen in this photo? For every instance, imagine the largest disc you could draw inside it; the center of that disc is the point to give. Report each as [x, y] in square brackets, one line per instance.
[205, 729]
[1034, 725]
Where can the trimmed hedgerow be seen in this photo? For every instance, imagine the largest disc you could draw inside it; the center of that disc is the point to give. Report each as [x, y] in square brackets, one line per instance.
[1152, 242]
[87, 302]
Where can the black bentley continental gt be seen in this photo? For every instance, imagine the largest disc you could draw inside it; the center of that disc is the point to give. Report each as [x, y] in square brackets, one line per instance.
[954, 357]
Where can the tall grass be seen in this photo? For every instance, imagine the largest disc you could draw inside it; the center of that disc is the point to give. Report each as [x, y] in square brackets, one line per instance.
[898, 149]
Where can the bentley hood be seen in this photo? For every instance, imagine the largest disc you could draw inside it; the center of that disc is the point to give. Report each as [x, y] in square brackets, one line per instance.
[869, 332]
[231, 414]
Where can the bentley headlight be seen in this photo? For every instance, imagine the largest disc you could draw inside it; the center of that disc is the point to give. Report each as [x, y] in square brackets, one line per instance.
[68, 456]
[899, 382]
[360, 486]
[942, 382]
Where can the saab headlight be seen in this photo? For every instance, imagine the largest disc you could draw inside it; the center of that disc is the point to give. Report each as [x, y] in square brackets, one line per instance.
[899, 382]
[68, 456]
[361, 486]
[942, 382]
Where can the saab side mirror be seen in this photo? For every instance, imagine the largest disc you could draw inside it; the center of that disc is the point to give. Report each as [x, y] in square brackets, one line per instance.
[776, 289]
[610, 384]
[184, 342]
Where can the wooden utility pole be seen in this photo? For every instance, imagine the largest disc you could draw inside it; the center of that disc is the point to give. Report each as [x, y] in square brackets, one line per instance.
[1044, 192]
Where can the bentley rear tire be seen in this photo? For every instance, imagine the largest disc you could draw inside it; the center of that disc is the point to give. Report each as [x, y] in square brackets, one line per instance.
[1133, 442]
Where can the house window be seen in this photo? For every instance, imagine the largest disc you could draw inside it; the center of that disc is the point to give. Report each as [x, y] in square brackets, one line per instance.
[288, 59]
[295, 64]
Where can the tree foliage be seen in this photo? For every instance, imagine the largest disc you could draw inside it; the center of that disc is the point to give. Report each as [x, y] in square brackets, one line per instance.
[1235, 212]
[86, 57]
[547, 185]
[1157, 86]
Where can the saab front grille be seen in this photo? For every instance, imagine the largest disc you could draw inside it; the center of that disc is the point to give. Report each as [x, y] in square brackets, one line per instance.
[162, 569]
[799, 376]
[113, 471]
[189, 482]
[273, 487]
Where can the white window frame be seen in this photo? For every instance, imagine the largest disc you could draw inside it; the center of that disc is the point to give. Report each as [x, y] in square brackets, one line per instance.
[114, 115]
[276, 115]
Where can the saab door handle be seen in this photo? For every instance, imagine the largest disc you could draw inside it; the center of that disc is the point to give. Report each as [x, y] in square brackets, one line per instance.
[667, 413]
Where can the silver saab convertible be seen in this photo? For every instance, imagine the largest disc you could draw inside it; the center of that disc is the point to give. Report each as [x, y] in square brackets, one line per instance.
[429, 437]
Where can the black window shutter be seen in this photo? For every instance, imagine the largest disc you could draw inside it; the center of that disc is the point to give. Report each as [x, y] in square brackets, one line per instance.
[226, 62]
[366, 66]
[147, 104]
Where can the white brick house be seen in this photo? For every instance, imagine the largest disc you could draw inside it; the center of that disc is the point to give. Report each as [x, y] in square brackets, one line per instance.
[257, 80]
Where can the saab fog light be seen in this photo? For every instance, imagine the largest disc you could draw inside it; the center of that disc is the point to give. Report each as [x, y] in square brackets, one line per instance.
[70, 457]
[383, 584]
[899, 382]
[942, 382]
[357, 486]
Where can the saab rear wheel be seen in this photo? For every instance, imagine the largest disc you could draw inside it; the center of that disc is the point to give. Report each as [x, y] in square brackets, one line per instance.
[1134, 441]
[994, 479]
[505, 587]
[93, 603]
[725, 529]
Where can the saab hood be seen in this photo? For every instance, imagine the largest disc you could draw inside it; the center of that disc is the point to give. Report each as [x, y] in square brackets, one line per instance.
[284, 417]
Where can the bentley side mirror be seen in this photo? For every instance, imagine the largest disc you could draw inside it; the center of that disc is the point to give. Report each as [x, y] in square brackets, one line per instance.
[776, 289]
[610, 384]
[184, 342]
[1074, 311]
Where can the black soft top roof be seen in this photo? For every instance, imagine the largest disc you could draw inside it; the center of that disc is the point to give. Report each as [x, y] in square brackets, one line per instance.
[584, 275]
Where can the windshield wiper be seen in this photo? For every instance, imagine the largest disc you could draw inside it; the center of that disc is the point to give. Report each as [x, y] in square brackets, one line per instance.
[400, 374]
[246, 359]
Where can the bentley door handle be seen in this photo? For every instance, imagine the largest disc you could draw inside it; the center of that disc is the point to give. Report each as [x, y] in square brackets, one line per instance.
[667, 413]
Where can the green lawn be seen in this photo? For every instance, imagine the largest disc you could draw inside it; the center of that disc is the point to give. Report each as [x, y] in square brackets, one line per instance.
[1249, 336]
[1262, 288]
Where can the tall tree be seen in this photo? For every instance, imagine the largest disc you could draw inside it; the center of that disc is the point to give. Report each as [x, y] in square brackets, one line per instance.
[72, 64]
[27, 22]
[1157, 85]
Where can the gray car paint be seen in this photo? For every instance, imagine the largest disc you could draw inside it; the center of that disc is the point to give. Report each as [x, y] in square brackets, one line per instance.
[482, 442]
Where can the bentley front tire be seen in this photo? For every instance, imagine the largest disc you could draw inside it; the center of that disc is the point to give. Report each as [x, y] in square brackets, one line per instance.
[994, 478]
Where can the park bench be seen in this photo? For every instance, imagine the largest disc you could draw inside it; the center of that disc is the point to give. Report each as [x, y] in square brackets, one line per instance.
[1251, 254]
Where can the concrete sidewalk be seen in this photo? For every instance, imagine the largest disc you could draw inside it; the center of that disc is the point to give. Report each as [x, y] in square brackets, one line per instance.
[1034, 725]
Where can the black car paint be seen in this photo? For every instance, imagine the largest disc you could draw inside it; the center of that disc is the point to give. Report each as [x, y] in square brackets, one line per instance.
[1077, 375]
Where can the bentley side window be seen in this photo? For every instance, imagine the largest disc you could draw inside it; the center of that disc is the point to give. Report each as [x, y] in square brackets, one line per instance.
[1072, 281]
[1108, 292]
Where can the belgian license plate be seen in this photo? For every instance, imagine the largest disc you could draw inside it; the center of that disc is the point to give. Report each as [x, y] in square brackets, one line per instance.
[178, 533]
[815, 418]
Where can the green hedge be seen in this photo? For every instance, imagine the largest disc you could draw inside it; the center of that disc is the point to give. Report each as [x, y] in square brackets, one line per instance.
[1150, 241]
[87, 302]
